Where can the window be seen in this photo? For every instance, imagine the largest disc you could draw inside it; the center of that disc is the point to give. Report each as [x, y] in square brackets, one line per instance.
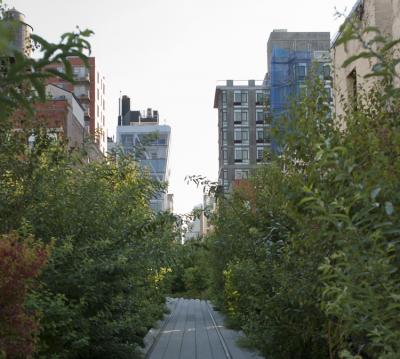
[224, 98]
[241, 155]
[352, 85]
[260, 135]
[224, 118]
[98, 110]
[241, 174]
[240, 117]
[80, 90]
[260, 154]
[326, 71]
[225, 137]
[225, 156]
[260, 97]
[241, 136]
[301, 71]
[79, 71]
[240, 98]
[98, 94]
[328, 91]
[259, 117]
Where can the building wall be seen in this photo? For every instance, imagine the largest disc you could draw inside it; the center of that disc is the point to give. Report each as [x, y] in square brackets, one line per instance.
[154, 157]
[90, 89]
[291, 58]
[231, 167]
[383, 14]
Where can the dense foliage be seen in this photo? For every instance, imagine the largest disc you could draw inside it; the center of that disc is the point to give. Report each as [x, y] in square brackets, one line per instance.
[82, 256]
[305, 257]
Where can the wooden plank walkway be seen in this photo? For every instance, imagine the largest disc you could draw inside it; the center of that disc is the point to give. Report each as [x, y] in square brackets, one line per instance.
[193, 330]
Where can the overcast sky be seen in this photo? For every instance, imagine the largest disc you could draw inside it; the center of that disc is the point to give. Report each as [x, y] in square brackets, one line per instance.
[169, 54]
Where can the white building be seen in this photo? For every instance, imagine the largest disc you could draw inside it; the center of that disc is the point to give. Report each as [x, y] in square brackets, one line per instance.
[148, 141]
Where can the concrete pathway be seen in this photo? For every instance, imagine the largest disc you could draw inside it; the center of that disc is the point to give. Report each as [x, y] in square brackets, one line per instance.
[193, 330]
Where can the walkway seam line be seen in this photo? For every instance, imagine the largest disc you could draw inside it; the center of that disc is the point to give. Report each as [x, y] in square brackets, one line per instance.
[221, 338]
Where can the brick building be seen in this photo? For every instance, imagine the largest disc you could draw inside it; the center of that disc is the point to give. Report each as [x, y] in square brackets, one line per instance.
[89, 88]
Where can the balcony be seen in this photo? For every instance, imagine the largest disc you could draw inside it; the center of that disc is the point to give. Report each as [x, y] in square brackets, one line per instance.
[81, 77]
[83, 96]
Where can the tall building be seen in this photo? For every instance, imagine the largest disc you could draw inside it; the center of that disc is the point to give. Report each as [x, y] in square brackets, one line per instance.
[291, 56]
[244, 132]
[141, 135]
[90, 89]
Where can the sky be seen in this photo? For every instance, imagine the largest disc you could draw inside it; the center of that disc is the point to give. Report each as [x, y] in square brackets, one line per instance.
[169, 55]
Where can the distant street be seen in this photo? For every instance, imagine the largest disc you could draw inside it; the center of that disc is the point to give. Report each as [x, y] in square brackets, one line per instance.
[195, 330]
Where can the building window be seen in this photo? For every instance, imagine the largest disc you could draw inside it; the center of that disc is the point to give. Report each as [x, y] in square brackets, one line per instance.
[241, 136]
[260, 154]
[301, 72]
[225, 137]
[224, 98]
[352, 85]
[240, 117]
[328, 91]
[326, 69]
[98, 110]
[242, 155]
[225, 156]
[241, 174]
[79, 71]
[224, 118]
[260, 97]
[240, 98]
[80, 90]
[225, 174]
[260, 135]
[259, 117]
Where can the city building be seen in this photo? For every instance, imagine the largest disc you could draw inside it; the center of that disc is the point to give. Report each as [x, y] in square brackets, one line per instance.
[141, 135]
[381, 14]
[244, 132]
[291, 57]
[193, 230]
[63, 117]
[208, 208]
[90, 89]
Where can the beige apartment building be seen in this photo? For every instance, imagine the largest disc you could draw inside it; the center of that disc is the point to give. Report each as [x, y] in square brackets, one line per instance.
[383, 14]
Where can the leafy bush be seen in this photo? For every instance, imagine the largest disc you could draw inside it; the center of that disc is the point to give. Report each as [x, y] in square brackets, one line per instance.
[306, 256]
